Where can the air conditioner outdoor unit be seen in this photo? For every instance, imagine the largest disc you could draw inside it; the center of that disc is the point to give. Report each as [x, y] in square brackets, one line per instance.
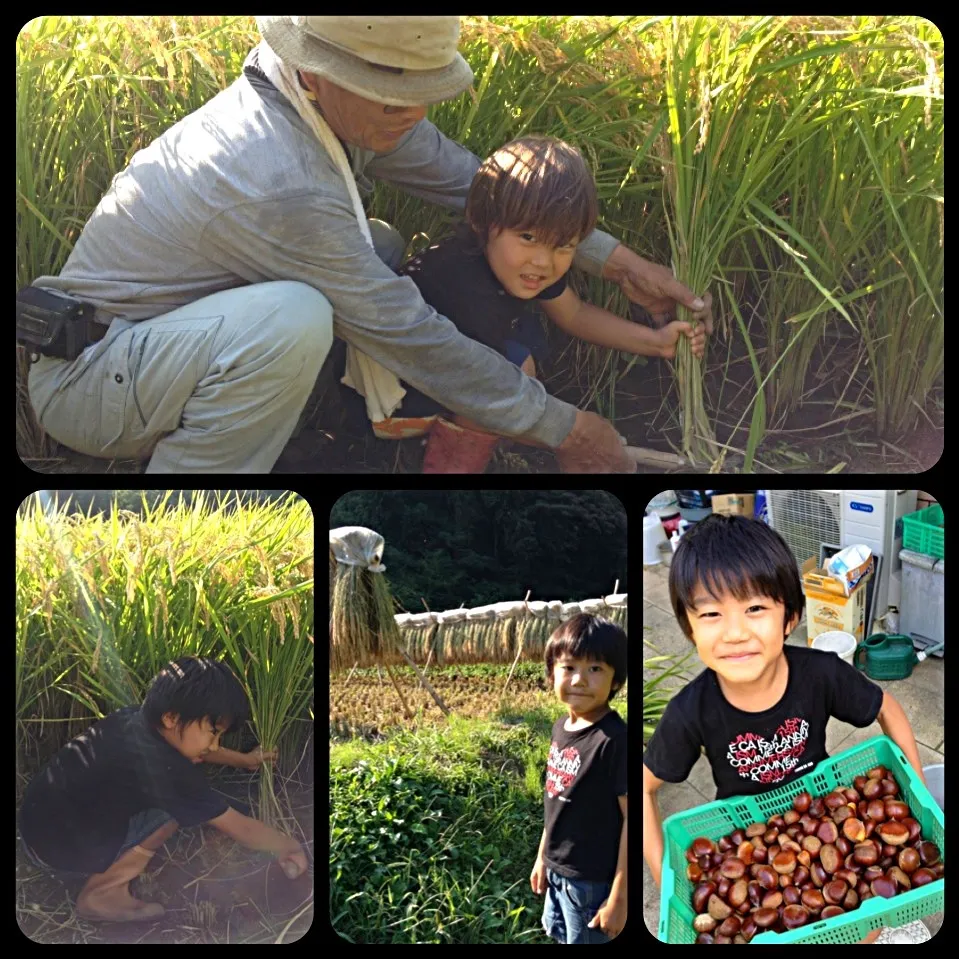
[807, 518]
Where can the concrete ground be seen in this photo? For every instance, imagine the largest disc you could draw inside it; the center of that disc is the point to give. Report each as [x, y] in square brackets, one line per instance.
[921, 697]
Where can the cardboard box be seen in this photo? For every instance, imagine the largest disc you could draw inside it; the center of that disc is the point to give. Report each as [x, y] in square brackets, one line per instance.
[827, 606]
[735, 504]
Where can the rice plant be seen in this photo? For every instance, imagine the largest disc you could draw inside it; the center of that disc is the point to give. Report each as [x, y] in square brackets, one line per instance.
[104, 603]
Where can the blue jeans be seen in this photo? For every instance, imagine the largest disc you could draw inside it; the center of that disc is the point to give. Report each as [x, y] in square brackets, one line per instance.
[141, 825]
[570, 905]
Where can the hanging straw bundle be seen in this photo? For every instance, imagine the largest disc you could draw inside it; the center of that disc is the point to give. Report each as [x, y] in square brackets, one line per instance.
[363, 628]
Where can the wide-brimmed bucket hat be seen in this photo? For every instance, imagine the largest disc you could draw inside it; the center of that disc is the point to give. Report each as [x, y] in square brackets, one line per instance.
[402, 61]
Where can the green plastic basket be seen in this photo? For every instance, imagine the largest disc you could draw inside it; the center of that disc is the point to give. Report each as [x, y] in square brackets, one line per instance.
[923, 532]
[717, 819]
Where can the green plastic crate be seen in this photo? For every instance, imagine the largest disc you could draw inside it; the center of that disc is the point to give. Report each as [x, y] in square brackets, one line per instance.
[923, 532]
[717, 819]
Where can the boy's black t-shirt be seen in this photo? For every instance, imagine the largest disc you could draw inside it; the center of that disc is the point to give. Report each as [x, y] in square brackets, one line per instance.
[752, 753]
[454, 277]
[585, 775]
[76, 810]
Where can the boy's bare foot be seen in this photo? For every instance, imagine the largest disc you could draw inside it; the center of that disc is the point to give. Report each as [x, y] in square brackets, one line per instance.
[872, 937]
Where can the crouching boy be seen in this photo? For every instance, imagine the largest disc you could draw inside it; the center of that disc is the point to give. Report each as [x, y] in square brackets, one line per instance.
[112, 796]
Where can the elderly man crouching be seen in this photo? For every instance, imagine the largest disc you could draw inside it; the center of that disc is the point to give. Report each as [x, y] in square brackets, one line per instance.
[203, 294]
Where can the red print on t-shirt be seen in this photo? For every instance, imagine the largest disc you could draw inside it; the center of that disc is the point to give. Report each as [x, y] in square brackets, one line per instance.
[769, 761]
[562, 767]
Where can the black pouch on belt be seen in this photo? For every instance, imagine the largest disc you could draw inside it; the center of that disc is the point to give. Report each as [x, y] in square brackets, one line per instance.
[52, 323]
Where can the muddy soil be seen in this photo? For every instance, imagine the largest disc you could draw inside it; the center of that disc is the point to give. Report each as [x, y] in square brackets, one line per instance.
[214, 890]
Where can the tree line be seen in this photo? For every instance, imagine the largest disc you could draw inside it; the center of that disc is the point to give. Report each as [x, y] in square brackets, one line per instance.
[472, 547]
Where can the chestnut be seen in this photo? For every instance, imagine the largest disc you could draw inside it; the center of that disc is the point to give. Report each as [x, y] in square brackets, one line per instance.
[813, 900]
[772, 900]
[902, 880]
[889, 787]
[812, 844]
[785, 862]
[792, 895]
[795, 916]
[872, 789]
[922, 876]
[828, 832]
[703, 939]
[745, 852]
[908, 860]
[749, 928]
[754, 830]
[704, 923]
[818, 875]
[851, 901]
[738, 893]
[835, 891]
[736, 837]
[718, 909]
[703, 847]
[801, 802]
[767, 877]
[722, 940]
[816, 808]
[855, 831]
[830, 858]
[876, 810]
[865, 853]
[877, 772]
[694, 872]
[733, 868]
[914, 828]
[764, 918]
[896, 809]
[834, 800]
[928, 853]
[883, 887]
[701, 895]
[830, 911]
[894, 833]
[730, 927]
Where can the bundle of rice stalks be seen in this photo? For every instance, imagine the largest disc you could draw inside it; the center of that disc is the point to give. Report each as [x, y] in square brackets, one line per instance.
[364, 630]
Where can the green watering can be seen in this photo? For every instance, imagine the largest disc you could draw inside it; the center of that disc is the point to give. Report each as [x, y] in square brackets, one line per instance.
[889, 656]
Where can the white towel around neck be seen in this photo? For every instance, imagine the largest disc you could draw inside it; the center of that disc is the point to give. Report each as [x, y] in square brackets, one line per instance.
[376, 384]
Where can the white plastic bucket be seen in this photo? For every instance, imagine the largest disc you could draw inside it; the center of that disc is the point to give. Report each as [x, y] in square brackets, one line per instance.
[653, 535]
[843, 644]
[936, 783]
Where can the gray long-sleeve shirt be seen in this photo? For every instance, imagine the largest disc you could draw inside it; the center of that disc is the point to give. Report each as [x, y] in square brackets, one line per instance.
[240, 191]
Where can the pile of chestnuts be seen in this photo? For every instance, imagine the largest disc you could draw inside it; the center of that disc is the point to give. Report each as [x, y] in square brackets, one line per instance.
[822, 858]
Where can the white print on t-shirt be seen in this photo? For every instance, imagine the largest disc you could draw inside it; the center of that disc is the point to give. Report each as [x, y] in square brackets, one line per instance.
[562, 767]
[770, 761]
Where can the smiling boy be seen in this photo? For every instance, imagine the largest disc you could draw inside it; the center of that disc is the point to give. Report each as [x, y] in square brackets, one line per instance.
[581, 862]
[112, 796]
[528, 207]
[760, 708]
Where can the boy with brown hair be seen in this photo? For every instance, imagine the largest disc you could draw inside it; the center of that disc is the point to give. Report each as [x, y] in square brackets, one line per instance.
[528, 207]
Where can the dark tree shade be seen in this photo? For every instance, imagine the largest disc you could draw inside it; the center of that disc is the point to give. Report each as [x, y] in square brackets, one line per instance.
[484, 546]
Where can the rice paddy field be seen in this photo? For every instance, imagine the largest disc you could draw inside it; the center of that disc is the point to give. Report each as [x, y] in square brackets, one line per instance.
[792, 166]
[103, 603]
